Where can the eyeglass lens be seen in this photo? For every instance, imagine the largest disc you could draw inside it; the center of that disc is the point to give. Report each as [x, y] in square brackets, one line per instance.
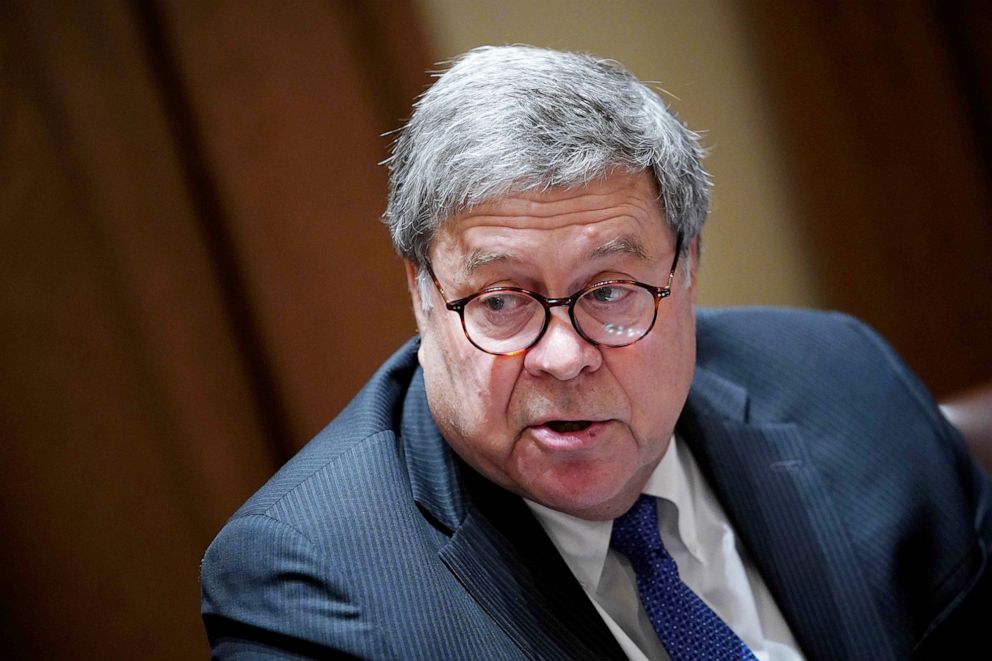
[506, 321]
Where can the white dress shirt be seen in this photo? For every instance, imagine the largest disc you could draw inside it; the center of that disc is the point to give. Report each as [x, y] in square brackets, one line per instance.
[701, 541]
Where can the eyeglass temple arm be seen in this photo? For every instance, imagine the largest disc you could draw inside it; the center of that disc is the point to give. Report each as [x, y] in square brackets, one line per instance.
[675, 260]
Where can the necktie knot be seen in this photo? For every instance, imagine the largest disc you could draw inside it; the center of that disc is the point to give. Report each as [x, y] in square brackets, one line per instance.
[635, 534]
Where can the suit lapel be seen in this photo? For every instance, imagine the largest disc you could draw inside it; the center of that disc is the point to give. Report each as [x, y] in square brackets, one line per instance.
[504, 558]
[434, 475]
[498, 551]
[777, 501]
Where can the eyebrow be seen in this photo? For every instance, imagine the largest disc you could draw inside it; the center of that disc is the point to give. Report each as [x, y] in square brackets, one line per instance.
[479, 258]
[626, 244]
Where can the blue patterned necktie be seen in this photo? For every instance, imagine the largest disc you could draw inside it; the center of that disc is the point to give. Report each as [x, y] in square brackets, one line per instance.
[685, 625]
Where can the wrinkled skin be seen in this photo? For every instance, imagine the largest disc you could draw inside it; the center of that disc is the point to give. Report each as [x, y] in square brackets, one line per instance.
[495, 411]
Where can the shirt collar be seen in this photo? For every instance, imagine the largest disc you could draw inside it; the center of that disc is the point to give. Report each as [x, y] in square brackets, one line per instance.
[584, 544]
[677, 481]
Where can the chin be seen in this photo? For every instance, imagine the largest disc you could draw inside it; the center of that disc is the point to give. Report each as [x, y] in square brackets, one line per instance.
[586, 497]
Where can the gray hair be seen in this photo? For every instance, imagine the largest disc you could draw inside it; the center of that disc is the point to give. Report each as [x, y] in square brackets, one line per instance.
[512, 119]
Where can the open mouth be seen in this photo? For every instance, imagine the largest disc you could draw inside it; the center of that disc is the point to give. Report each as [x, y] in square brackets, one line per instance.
[568, 426]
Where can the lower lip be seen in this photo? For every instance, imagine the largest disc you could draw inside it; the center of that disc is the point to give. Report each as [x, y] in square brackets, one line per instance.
[573, 440]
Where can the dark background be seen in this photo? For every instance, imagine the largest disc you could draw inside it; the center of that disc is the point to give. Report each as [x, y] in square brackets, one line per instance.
[188, 214]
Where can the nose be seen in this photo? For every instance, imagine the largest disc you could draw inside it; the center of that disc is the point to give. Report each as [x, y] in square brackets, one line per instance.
[562, 352]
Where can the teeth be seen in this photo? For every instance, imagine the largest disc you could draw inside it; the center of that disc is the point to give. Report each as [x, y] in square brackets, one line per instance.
[566, 426]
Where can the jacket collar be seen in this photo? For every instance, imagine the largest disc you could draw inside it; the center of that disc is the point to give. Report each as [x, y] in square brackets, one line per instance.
[780, 508]
[435, 477]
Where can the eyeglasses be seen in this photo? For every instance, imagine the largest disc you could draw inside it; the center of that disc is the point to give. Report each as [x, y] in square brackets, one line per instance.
[504, 321]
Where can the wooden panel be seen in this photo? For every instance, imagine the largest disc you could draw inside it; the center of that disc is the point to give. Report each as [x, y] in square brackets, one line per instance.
[890, 170]
[128, 420]
[289, 115]
[195, 279]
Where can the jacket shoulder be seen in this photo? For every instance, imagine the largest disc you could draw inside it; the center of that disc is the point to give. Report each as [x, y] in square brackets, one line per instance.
[280, 573]
[758, 334]
[796, 362]
[894, 470]
[367, 425]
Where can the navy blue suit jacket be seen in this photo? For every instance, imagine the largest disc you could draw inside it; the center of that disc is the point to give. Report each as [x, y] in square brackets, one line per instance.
[855, 499]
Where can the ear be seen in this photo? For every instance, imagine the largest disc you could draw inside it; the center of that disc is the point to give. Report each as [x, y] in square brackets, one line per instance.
[693, 268]
[414, 288]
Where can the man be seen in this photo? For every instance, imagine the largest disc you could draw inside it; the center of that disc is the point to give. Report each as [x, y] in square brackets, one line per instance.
[498, 488]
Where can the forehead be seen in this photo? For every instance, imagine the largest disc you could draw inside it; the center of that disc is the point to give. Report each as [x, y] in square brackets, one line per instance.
[617, 215]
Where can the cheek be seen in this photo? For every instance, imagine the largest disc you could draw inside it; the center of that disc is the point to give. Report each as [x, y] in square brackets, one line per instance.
[468, 389]
[657, 380]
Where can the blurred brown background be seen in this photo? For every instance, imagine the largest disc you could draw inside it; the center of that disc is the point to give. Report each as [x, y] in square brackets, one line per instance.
[189, 199]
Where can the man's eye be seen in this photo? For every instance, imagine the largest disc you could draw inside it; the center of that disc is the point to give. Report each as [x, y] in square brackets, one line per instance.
[607, 294]
[494, 302]
[502, 302]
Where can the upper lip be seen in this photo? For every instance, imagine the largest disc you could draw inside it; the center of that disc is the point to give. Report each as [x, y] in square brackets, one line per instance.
[543, 420]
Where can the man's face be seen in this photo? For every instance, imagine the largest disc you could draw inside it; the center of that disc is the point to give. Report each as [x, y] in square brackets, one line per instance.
[502, 414]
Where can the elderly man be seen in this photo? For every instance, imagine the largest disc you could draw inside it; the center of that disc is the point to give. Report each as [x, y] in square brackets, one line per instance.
[571, 462]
